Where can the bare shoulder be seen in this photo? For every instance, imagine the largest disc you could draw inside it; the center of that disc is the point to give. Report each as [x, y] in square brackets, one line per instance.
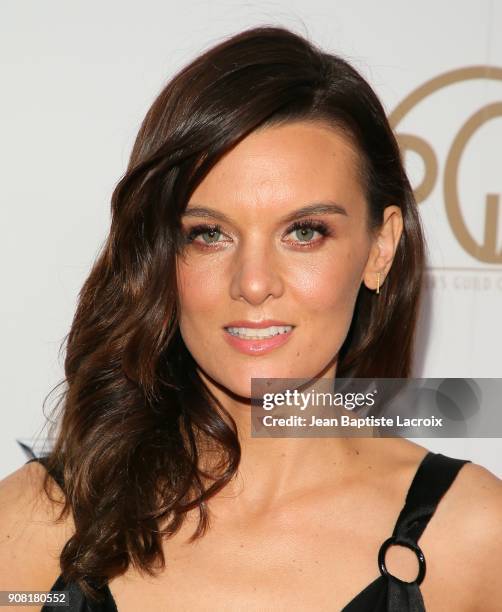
[471, 517]
[476, 498]
[475, 480]
[31, 538]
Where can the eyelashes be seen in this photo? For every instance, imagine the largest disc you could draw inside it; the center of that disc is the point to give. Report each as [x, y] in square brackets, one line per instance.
[318, 226]
[201, 228]
[303, 227]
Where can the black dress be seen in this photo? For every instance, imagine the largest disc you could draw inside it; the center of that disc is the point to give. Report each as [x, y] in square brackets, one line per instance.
[386, 593]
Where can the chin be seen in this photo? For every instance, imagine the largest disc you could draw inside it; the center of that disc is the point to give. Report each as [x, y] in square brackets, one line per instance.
[240, 382]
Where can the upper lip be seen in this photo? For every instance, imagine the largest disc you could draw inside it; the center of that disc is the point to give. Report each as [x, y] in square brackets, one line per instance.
[258, 324]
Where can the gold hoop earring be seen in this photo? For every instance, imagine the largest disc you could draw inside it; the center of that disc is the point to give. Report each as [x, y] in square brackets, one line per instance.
[378, 283]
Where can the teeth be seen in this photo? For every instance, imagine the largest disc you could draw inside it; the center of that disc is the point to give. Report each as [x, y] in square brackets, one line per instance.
[257, 334]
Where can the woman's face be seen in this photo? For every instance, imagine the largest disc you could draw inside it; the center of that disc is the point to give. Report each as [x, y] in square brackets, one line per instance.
[246, 262]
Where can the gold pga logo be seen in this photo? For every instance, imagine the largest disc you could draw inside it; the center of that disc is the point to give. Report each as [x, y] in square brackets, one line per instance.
[486, 250]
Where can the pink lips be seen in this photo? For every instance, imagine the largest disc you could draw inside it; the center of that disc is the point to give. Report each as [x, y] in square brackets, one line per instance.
[261, 346]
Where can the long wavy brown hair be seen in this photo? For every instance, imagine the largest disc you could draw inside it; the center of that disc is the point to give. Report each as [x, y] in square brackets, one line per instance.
[134, 415]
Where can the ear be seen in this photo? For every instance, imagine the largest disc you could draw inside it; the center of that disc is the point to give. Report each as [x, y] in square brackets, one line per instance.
[384, 247]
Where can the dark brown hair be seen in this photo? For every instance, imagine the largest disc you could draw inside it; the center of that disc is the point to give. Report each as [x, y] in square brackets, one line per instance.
[134, 412]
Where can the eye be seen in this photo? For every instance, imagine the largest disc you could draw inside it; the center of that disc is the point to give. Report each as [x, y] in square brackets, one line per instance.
[304, 231]
[305, 234]
[210, 234]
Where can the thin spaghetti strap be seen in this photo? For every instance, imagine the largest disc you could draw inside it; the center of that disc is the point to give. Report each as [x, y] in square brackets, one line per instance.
[56, 475]
[432, 479]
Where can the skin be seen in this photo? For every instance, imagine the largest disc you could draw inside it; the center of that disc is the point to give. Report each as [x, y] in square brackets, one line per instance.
[301, 524]
[258, 270]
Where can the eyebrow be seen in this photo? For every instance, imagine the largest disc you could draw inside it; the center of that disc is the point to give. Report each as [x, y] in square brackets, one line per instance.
[318, 208]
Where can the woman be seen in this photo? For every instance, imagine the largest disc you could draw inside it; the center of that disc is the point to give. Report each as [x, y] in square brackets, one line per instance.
[265, 195]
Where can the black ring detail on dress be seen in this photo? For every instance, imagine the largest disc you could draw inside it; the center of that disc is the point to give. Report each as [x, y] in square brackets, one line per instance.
[409, 544]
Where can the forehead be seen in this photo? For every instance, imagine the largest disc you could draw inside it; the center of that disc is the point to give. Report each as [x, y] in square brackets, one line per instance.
[277, 167]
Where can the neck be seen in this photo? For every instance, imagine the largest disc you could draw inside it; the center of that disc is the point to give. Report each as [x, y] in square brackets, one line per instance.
[271, 469]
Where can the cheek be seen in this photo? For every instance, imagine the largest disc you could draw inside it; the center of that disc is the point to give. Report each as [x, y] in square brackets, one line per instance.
[328, 287]
[200, 290]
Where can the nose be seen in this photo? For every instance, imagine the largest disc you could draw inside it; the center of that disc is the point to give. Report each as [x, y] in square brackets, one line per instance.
[256, 275]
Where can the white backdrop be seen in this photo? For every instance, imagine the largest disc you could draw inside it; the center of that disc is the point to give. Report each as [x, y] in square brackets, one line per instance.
[78, 77]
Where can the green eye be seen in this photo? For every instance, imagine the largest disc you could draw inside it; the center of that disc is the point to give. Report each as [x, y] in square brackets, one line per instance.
[212, 236]
[309, 232]
[304, 234]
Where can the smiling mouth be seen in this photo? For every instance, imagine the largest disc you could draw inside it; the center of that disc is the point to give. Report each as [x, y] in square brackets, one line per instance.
[249, 333]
